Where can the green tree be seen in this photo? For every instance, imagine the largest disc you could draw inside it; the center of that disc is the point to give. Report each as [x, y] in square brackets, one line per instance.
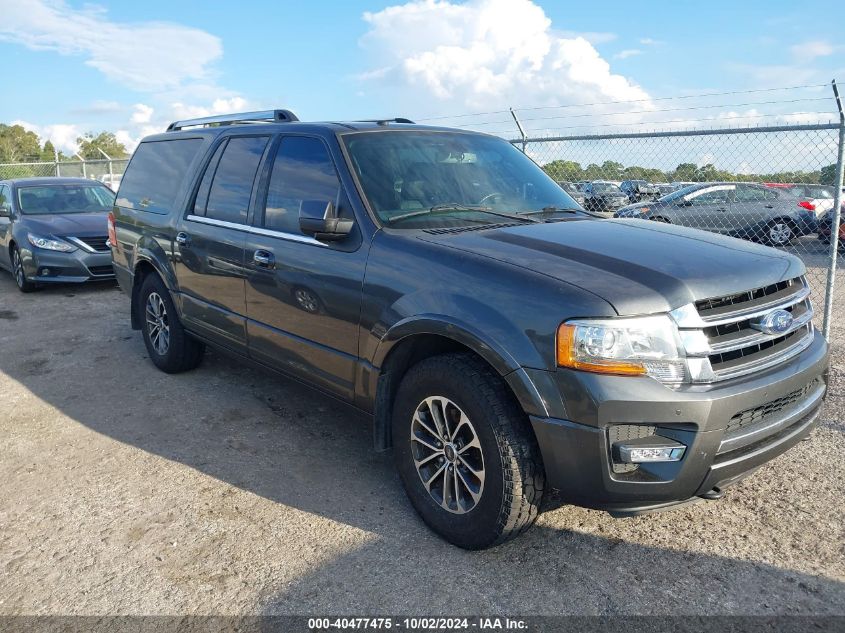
[18, 145]
[90, 146]
[828, 175]
[561, 170]
[686, 172]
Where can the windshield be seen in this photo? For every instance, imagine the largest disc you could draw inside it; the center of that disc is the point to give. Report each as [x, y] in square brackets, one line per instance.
[680, 193]
[57, 199]
[436, 179]
[605, 187]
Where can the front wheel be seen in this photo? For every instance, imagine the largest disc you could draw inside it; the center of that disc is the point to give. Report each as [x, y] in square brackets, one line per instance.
[465, 452]
[19, 273]
[169, 346]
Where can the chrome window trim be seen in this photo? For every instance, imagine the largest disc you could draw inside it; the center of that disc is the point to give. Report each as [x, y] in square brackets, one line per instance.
[255, 230]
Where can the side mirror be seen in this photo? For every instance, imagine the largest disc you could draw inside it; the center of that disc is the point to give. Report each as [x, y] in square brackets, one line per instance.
[5, 211]
[317, 218]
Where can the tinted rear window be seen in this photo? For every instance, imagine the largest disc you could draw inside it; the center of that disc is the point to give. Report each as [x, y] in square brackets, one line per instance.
[156, 173]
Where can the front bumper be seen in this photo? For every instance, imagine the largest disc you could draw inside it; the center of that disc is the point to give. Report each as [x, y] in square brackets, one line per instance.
[43, 266]
[576, 444]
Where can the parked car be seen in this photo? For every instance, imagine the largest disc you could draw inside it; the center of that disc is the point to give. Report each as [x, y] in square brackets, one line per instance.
[601, 196]
[573, 191]
[817, 198]
[637, 190]
[745, 210]
[826, 226]
[54, 230]
[664, 188]
[504, 341]
[112, 181]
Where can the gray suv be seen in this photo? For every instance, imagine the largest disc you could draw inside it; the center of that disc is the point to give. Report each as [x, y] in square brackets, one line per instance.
[503, 341]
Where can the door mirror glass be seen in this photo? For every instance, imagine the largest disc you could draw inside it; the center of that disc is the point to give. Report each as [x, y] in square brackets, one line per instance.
[5, 211]
[318, 219]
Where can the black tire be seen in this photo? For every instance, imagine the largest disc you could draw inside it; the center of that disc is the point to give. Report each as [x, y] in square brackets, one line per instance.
[513, 475]
[19, 274]
[181, 352]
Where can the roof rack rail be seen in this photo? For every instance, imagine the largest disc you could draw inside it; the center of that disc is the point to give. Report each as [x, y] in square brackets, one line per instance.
[385, 121]
[264, 116]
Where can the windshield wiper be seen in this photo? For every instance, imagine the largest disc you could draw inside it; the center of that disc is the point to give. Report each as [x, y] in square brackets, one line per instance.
[545, 210]
[453, 207]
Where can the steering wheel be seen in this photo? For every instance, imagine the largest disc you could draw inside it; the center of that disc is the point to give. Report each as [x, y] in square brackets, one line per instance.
[491, 195]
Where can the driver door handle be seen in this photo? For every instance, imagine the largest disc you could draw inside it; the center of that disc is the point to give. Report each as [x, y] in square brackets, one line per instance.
[183, 239]
[263, 259]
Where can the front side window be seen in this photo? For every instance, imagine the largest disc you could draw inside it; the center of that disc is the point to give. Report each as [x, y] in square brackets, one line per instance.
[156, 173]
[745, 193]
[232, 177]
[416, 179]
[719, 194]
[62, 199]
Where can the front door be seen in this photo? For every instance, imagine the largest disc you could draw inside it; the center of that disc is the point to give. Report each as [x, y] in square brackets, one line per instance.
[210, 242]
[303, 296]
[709, 209]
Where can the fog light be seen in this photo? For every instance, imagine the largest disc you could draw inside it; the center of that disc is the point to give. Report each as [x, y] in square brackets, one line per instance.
[45, 272]
[649, 449]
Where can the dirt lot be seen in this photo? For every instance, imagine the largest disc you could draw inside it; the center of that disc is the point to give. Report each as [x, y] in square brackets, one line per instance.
[225, 491]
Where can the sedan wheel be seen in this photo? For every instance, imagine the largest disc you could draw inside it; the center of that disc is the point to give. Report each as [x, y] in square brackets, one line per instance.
[779, 233]
[19, 273]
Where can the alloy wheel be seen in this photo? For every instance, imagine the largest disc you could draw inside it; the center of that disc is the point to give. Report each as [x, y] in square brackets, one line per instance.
[447, 454]
[158, 327]
[780, 233]
[17, 266]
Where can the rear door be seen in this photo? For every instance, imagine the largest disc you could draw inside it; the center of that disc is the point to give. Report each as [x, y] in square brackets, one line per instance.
[303, 296]
[5, 225]
[211, 238]
[755, 206]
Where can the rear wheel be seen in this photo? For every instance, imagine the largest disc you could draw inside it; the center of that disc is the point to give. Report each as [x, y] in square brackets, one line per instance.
[463, 447]
[19, 273]
[779, 233]
[169, 346]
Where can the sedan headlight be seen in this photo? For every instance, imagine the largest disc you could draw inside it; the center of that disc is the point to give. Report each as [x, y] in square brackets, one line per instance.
[627, 347]
[49, 243]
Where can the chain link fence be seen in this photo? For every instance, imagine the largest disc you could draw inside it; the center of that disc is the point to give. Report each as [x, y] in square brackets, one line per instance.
[108, 171]
[772, 185]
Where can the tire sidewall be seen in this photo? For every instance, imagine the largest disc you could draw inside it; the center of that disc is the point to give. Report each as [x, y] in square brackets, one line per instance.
[479, 526]
[153, 284]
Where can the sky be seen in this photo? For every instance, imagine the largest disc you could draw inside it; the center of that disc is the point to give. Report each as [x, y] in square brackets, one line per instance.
[71, 67]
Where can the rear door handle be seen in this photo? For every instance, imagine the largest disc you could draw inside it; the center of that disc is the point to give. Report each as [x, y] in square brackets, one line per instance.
[263, 259]
[183, 239]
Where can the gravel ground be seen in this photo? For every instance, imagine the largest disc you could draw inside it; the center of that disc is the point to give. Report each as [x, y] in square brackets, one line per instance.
[225, 491]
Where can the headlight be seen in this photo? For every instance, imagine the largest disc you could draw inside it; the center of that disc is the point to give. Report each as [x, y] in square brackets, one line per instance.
[627, 347]
[49, 243]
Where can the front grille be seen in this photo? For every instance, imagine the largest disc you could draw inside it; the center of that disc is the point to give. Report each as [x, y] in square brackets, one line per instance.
[723, 338]
[101, 271]
[744, 420]
[98, 243]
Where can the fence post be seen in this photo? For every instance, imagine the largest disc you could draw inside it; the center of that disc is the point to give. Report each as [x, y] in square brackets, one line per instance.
[519, 125]
[56, 157]
[837, 218]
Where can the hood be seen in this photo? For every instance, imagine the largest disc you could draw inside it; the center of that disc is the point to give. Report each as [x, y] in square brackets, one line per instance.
[639, 267]
[68, 224]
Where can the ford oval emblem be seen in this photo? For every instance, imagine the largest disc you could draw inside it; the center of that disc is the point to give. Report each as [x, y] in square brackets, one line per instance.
[775, 322]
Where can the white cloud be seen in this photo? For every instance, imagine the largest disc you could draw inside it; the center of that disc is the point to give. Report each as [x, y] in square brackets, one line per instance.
[647, 41]
[147, 56]
[808, 51]
[142, 114]
[628, 52]
[218, 106]
[436, 54]
[62, 135]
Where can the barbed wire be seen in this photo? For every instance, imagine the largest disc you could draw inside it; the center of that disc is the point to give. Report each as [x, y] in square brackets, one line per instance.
[620, 101]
